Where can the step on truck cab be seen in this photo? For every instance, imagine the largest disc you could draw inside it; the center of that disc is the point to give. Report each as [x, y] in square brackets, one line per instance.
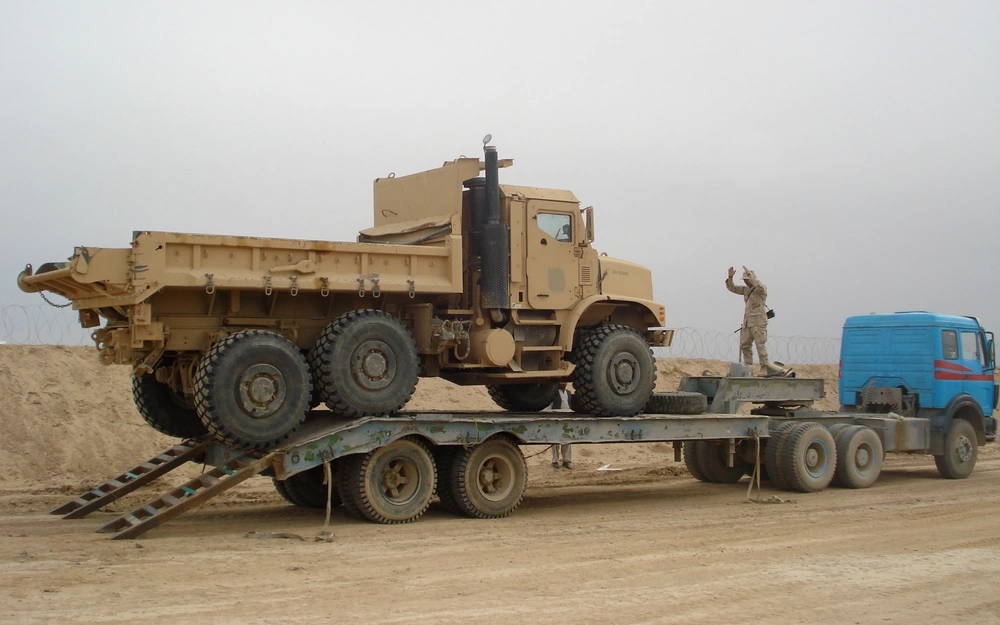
[921, 364]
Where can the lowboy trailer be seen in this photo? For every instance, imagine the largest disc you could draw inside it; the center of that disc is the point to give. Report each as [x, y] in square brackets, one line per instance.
[388, 469]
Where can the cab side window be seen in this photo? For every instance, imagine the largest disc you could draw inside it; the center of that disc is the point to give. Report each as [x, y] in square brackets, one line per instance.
[949, 344]
[557, 226]
[970, 347]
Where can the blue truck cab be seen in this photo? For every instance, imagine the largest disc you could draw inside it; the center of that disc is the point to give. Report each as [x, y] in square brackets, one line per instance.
[921, 364]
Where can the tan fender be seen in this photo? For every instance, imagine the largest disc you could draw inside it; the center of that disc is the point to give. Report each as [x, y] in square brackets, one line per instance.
[652, 314]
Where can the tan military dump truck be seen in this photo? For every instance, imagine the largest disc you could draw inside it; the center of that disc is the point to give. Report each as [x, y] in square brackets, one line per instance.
[460, 277]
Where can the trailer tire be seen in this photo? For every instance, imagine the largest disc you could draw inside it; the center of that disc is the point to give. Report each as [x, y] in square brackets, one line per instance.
[444, 457]
[809, 456]
[393, 484]
[488, 481]
[307, 490]
[960, 451]
[365, 363]
[692, 460]
[677, 402]
[524, 397]
[347, 472]
[252, 389]
[615, 371]
[161, 408]
[773, 453]
[859, 456]
[714, 463]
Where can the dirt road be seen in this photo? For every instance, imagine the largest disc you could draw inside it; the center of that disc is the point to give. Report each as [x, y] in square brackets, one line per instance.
[654, 547]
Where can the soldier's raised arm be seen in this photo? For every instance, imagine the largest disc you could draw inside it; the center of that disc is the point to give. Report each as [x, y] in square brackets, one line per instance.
[739, 290]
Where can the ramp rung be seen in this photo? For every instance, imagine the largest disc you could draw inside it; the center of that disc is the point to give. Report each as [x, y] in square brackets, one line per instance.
[189, 495]
[130, 480]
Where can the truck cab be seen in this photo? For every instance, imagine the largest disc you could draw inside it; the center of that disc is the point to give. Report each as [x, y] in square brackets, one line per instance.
[921, 364]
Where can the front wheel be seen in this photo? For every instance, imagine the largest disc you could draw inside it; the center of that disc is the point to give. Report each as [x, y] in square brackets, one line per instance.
[960, 451]
[615, 371]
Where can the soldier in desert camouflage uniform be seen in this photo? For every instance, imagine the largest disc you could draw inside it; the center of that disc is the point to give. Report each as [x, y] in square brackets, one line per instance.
[754, 328]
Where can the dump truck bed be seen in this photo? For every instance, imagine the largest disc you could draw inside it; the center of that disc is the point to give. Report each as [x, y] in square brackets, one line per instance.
[104, 277]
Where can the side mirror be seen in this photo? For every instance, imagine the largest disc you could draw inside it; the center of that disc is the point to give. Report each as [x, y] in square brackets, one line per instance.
[588, 217]
[991, 353]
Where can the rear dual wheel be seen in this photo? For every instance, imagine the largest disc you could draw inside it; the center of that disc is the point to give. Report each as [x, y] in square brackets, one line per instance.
[859, 456]
[309, 489]
[365, 363]
[252, 389]
[708, 461]
[484, 482]
[391, 484]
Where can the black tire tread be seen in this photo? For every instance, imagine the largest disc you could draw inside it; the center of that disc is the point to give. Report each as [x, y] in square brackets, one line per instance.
[206, 402]
[773, 453]
[355, 484]
[519, 398]
[153, 402]
[456, 482]
[677, 402]
[321, 362]
[584, 353]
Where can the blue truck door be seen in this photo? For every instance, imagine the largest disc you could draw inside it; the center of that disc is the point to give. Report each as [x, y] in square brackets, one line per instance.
[976, 381]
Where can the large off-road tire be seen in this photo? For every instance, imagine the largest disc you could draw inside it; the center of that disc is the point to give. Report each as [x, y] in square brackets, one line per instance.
[365, 363]
[392, 484]
[524, 397]
[307, 489]
[444, 456]
[677, 402]
[859, 456]
[692, 460]
[809, 458]
[773, 453]
[347, 471]
[161, 408]
[488, 481]
[960, 451]
[252, 389]
[713, 461]
[615, 371]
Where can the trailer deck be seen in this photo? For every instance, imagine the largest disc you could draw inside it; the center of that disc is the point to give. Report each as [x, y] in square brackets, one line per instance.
[325, 438]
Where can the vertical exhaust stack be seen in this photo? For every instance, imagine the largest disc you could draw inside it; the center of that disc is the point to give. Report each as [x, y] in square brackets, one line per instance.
[494, 241]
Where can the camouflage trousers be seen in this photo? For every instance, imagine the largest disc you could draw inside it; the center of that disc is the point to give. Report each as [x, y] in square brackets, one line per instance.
[749, 336]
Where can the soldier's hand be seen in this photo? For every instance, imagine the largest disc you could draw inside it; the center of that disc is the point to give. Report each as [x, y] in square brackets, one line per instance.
[732, 272]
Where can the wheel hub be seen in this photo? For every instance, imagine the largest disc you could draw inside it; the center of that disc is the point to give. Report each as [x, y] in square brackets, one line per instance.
[373, 365]
[815, 459]
[963, 449]
[862, 457]
[496, 478]
[261, 390]
[623, 373]
[398, 480]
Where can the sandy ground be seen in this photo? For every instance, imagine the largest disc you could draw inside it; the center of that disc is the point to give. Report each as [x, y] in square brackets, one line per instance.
[647, 544]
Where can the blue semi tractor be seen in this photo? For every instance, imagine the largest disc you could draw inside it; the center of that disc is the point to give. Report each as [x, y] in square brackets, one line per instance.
[927, 365]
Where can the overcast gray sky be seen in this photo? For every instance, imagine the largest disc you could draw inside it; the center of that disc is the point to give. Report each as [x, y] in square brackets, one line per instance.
[847, 151]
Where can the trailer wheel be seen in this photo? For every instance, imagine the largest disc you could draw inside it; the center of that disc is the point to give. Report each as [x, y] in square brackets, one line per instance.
[393, 484]
[252, 389]
[615, 371]
[366, 363]
[859, 457]
[347, 471]
[444, 457]
[524, 397]
[692, 460]
[714, 463]
[307, 489]
[809, 458]
[161, 408]
[488, 480]
[677, 402]
[773, 454]
[960, 451]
